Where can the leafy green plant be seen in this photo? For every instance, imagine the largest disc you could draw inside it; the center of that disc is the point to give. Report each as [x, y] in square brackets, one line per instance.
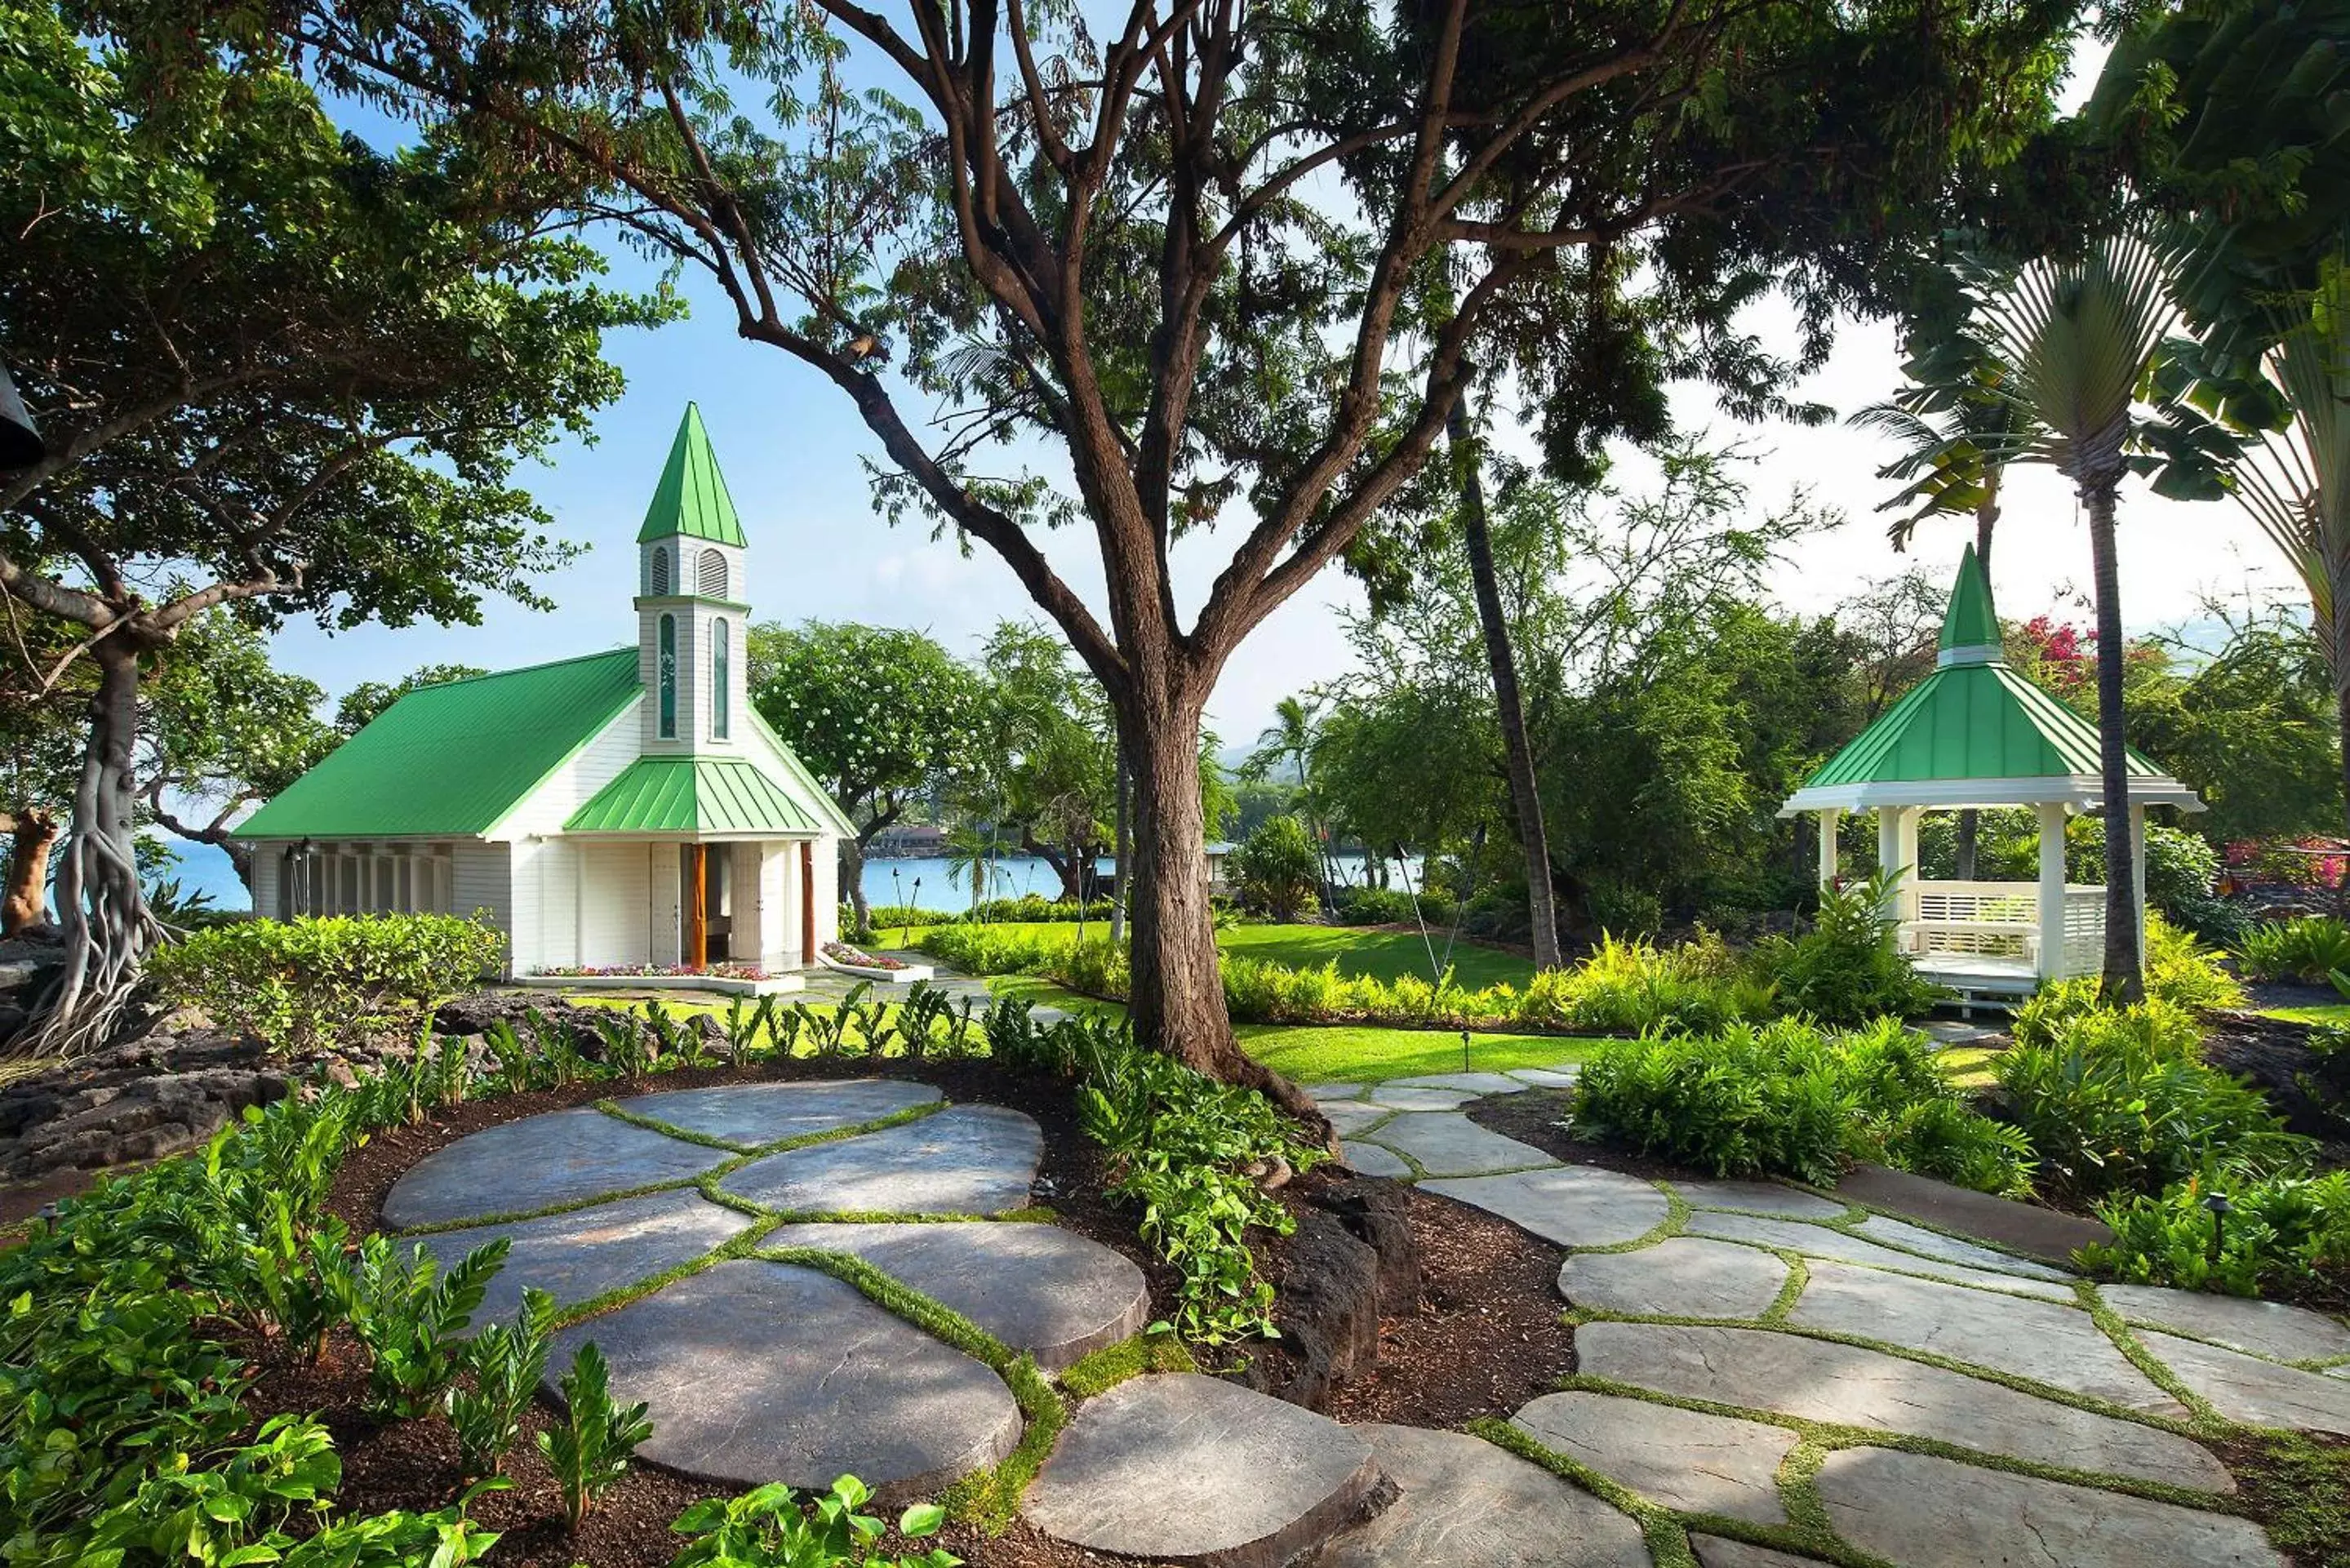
[590, 1450]
[775, 1527]
[2120, 1100]
[301, 984]
[411, 1318]
[921, 1011]
[1845, 969]
[504, 1364]
[1277, 868]
[2281, 1234]
[2307, 950]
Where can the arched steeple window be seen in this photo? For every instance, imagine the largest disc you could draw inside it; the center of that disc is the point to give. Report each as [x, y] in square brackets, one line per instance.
[713, 579]
[660, 585]
[667, 678]
[720, 689]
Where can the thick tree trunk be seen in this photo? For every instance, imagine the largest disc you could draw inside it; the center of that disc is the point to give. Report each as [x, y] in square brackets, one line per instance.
[2124, 976]
[1177, 995]
[33, 833]
[1525, 793]
[1123, 834]
[108, 929]
[852, 882]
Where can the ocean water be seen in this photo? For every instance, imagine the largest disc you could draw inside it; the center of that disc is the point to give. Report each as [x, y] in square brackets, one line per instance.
[920, 881]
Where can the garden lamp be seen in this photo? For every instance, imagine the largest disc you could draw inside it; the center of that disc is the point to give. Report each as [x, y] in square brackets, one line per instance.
[20, 444]
[2220, 1208]
[1464, 1050]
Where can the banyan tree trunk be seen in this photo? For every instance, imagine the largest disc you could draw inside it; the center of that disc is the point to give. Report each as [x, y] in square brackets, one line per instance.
[33, 834]
[108, 929]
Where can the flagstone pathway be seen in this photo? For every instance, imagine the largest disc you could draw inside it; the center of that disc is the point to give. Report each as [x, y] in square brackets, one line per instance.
[1766, 1374]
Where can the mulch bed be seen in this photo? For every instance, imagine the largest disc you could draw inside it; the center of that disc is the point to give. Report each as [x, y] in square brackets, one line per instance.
[1483, 1338]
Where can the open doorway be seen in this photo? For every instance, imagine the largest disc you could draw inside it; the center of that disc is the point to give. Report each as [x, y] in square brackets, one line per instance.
[707, 884]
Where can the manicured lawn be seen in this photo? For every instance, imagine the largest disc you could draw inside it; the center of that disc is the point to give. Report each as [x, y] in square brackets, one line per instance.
[1386, 954]
[2319, 1013]
[1342, 1053]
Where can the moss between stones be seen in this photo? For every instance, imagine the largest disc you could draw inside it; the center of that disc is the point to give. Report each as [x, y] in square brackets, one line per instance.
[1102, 1370]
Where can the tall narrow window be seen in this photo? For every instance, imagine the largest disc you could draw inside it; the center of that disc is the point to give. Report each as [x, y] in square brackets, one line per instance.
[667, 675]
[659, 586]
[720, 689]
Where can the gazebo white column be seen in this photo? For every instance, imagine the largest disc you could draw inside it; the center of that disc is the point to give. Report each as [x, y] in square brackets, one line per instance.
[2051, 889]
[1830, 817]
[1896, 857]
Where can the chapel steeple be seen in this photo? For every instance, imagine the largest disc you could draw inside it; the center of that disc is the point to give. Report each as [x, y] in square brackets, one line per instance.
[690, 610]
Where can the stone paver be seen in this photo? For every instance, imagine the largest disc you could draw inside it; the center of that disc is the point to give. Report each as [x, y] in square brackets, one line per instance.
[1325, 1093]
[580, 1254]
[1720, 1551]
[1819, 1242]
[1466, 1082]
[2047, 1234]
[752, 1114]
[1685, 1459]
[539, 1162]
[758, 1372]
[1190, 1468]
[1447, 1143]
[1951, 1250]
[2246, 1388]
[1824, 1381]
[1035, 1287]
[1372, 1160]
[1548, 1078]
[1460, 1502]
[1574, 1205]
[1397, 1098]
[1348, 1116]
[2264, 1328]
[1927, 1512]
[1684, 1277]
[966, 1159]
[1759, 1196]
[2059, 1345]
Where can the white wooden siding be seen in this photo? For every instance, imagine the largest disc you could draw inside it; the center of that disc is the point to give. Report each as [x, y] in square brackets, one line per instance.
[573, 785]
[482, 880]
[615, 914]
[268, 859]
[665, 897]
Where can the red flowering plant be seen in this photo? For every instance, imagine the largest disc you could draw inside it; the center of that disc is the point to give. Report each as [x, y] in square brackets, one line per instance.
[2310, 862]
[653, 971]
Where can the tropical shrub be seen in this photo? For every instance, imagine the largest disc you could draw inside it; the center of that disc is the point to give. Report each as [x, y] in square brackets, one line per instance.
[1277, 868]
[1377, 906]
[2120, 1100]
[2279, 1235]
[1781, 1098]
[412, 1318]
[1096, 968]
[503, 1364]
[301, 984]
[1845, 969]
[590, 1450]
[994, 950]
[2307, 950]
[2181, 971]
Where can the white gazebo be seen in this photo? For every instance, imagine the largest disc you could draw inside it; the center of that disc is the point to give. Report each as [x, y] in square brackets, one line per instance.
[1976, 733]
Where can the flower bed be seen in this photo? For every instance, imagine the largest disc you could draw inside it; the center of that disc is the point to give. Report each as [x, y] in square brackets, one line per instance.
[723, 978]
[856, 960]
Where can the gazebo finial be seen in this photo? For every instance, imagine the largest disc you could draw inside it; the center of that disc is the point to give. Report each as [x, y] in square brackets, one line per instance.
[1970, 626]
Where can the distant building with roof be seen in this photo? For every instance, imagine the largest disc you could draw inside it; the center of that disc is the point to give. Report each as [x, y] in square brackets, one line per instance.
[618, 809]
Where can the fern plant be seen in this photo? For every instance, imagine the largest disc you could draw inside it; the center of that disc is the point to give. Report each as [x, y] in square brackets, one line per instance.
[590, 1447]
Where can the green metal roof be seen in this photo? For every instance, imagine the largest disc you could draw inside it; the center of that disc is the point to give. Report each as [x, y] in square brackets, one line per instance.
[692, 794]
[692, 497]
[1968, 622]
[453, 758]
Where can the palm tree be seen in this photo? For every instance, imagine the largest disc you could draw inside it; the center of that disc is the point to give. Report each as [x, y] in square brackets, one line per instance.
[971, 858]
[2075, 339]
[1297, 725]
[2295, 480]
[1957, 433]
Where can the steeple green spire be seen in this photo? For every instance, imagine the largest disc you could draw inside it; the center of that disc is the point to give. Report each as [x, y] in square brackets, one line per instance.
[691, 498]
[1970, 628]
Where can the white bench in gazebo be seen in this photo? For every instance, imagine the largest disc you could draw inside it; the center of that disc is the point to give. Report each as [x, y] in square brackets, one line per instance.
[1976, 733]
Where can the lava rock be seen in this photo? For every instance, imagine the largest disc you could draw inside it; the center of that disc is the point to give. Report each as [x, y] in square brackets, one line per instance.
[1328, 1313]
[1378, 1213]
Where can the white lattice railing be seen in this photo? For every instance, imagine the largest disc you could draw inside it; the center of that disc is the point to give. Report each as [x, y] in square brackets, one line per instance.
[2085, 932]
[1975, 920]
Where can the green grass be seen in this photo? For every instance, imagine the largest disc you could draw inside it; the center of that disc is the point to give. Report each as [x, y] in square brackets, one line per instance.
[2322, 1012]
[1349, 1054]
[1385, 954]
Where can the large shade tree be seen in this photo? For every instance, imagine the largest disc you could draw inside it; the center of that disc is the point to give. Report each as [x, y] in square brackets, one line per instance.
[1189, 244]
[277, 375]
[881, 713]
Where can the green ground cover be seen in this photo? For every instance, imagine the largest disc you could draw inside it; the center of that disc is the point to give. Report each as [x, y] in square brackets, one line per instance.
[2318, 1012]
[1383, 955]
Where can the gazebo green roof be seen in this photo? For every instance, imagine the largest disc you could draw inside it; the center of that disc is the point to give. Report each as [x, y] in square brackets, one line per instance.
[1976, 732]
[691, 498]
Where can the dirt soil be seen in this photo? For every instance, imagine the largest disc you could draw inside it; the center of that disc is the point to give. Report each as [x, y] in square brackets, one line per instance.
[1483, 1338]
[2310, 1090]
